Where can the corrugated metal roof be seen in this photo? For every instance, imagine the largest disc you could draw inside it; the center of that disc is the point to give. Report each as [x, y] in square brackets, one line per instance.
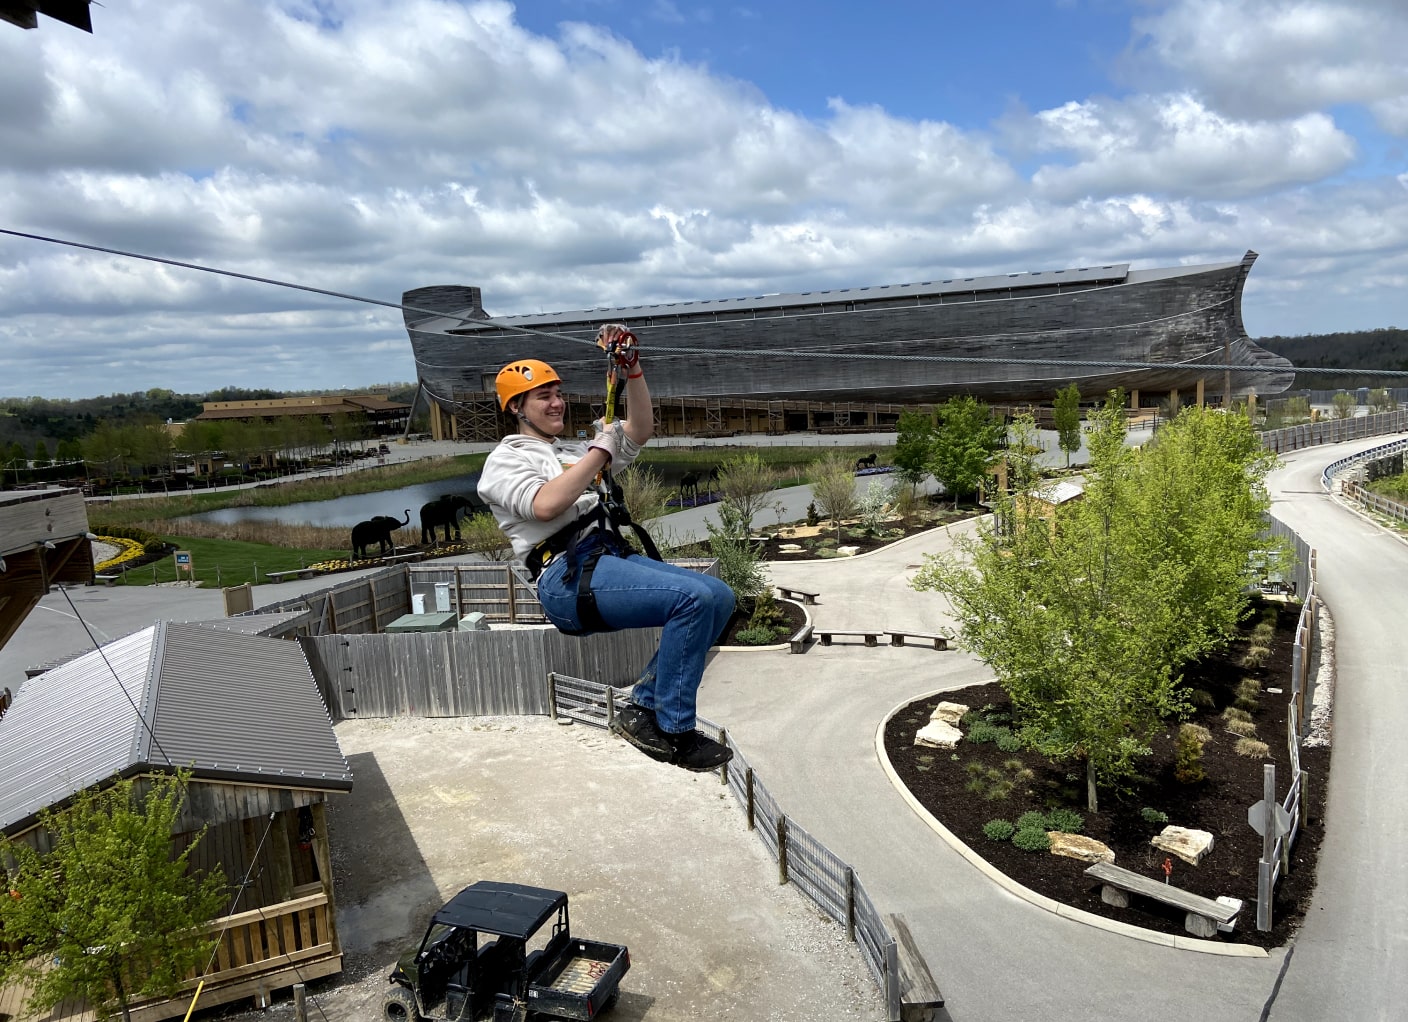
[232, 706]
[258, 624]
[72, 727]
[1060, 492]
[244, 706]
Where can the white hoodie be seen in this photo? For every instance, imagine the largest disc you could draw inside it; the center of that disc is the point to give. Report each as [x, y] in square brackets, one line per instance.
[520, 465]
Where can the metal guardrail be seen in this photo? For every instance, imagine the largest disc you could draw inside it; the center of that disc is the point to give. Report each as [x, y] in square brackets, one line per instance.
[1333, 431]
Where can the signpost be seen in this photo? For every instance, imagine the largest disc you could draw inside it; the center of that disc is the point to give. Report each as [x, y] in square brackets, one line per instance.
[184, 563]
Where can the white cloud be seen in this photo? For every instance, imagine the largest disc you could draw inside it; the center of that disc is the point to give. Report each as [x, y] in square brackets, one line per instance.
[1257, 59]
[377, 147]
[1175, 145]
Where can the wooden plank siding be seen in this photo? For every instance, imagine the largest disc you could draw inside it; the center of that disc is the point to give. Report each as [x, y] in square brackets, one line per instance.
[455, 674]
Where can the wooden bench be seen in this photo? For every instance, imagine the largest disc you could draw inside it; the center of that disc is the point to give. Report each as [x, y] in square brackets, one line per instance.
[798, 642]
[939, 642]
[791, 593]
[279, 576]
[872, 637]
[1203, 918]
[920, 997]
[106, 580]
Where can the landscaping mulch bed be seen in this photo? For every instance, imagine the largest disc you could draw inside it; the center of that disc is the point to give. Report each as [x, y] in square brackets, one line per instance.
[821, 541]
[796, 618]
[939, 779]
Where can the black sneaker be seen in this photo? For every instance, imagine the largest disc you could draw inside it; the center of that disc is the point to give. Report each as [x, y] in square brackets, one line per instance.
[694, 750]
[637, 725]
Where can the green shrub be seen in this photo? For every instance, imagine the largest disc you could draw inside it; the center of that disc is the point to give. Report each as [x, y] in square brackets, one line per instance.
[1067, 820]
[1233, 713]
[757, 636]
[984, 731]
[1032, 820]
[1241, 728]
[1032, 840]
[813, 516]
[1201, 699]
[1007, 741]
[1154, 816]
[1188, 757]
[998, 830]
[1263, 633]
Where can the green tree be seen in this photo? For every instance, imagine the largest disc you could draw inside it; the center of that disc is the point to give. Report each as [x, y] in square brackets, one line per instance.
[41, 455]
[1380, 400]
[110, 914]
[1297, 410]
[912, 454]
[1342, 405]
[747, 482]
[834, 488]
[1088, 617]
[964, 443]
[1066, 410]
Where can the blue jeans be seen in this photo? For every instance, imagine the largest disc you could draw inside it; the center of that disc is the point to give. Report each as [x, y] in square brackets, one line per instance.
[691, 608]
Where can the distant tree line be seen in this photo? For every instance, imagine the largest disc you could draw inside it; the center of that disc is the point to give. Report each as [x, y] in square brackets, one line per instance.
[1385, 348]
[38, 431]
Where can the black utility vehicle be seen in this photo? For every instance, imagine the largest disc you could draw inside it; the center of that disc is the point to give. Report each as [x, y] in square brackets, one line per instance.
[504, 952]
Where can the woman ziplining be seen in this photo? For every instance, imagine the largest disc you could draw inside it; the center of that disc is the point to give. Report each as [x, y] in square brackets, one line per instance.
[557, 504]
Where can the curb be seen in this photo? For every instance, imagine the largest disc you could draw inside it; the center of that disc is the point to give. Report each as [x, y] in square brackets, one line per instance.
[1211, 947]
[765, 649]
[886, 547]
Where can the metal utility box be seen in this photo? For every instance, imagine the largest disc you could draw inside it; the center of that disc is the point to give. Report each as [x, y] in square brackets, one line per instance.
[422, 623]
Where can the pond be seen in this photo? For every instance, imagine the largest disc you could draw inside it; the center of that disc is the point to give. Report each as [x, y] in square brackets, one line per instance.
[348, 511]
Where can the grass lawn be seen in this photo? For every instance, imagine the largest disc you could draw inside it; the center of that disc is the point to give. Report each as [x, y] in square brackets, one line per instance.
[224, 562]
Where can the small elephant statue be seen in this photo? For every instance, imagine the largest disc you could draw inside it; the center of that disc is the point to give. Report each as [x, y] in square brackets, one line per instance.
[376, 530]
[445, 512]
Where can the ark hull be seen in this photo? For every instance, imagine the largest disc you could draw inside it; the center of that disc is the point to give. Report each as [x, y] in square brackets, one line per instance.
[821, 346]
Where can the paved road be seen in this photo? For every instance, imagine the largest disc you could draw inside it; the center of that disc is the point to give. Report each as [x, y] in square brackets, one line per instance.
[1351, 957]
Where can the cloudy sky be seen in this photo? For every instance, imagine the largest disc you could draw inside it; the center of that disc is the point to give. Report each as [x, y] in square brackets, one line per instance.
[563, 154]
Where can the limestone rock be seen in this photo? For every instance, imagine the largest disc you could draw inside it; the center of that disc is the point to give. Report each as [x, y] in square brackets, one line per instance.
[1077, 846]
[847, 551]
[1188, 845]
[949, 713]
[790, 548]
[938, 735]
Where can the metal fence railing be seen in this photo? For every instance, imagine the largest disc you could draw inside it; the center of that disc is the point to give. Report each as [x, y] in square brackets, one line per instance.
[828, 881]
[1333, 431]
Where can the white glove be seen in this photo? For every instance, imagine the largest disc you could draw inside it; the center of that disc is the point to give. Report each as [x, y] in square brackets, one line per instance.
[606, 440]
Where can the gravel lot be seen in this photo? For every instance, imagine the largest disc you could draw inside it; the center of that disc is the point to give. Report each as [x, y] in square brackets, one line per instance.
[653, 857]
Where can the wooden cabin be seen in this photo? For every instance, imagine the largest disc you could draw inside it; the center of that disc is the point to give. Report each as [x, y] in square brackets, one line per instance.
[242, 711]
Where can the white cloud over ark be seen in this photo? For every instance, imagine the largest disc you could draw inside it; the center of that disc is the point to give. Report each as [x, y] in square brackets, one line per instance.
[384, 146]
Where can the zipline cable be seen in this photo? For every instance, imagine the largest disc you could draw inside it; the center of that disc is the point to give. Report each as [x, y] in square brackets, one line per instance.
[473, 325]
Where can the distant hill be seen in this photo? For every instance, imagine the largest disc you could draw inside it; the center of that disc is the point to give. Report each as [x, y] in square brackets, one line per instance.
[1385, 348]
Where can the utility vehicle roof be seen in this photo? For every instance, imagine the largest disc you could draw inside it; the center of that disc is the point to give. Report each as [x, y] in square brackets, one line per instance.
[506, 910]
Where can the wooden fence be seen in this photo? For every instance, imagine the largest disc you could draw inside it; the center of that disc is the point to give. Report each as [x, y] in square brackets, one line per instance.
[827, 880]
[504, 670]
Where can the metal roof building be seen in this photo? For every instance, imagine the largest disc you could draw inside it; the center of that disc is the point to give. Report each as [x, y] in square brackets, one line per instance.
[243, 713]
[230, 706]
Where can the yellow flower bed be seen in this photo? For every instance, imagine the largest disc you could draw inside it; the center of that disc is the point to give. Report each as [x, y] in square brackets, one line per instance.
[128, 550]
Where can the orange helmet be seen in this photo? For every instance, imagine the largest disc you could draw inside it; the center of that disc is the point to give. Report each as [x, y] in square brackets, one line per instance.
[522, 376]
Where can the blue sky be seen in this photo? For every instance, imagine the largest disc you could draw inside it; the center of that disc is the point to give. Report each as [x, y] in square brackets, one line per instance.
[582, 153]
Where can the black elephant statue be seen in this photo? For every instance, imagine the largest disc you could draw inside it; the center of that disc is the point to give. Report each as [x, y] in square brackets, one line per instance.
[376, 530]
[446, 512]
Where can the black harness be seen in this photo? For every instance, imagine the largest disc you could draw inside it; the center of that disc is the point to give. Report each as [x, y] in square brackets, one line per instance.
[585, 541]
